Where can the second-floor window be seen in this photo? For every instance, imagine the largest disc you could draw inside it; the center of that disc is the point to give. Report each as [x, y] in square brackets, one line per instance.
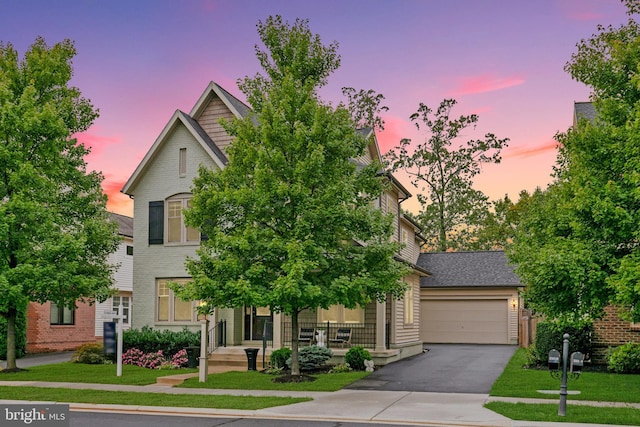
[177, 231]
[166, 222]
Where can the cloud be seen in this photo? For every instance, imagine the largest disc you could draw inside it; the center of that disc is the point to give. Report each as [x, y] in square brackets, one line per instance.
[116, 201]
[485, 83]
[530, 151]
[391, 135]
[98, 143]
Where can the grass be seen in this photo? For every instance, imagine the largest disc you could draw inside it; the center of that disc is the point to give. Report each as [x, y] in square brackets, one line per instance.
[574, 414]
[254, 380]
[597, 386]
[517, 381]
[97, 374]
[144, 399]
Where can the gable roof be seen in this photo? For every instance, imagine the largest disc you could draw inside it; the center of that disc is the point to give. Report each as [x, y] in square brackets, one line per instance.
[199, 135]
[467, 269]
[125, 224]
[237, 107]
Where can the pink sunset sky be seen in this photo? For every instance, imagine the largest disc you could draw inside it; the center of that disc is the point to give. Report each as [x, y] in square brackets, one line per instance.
[138, 61]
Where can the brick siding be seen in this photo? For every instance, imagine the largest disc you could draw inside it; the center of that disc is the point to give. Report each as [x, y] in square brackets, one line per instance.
[43, 337]
[612, 331]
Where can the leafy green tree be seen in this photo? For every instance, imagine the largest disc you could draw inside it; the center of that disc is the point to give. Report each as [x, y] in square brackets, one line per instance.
[577, 247]
[55, 234]
[443, 171]
[290, 220]
[498, 227]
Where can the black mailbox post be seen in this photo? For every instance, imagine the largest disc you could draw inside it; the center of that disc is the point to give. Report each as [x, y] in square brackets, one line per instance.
[560, 372]
[252, 356]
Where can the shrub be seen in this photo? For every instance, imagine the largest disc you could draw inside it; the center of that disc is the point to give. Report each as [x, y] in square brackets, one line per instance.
[150, 340]
[338, 369]
[624, 359]
[278, 358]
[90, 353]
[549, 336]
[154, 360]
[356, 356]
[312, 357]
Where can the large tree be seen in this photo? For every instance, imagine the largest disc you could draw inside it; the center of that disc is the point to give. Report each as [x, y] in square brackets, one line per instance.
[290, 219]
[55, 234]
[577, 249]
[442, 169]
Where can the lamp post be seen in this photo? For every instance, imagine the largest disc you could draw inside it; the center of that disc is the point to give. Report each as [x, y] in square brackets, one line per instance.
[204, 329]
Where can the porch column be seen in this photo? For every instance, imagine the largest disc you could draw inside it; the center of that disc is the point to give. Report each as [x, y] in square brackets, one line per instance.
[277, 330]
[381, 326]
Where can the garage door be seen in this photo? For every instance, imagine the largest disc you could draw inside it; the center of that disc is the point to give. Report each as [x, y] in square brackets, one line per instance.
[464, 321]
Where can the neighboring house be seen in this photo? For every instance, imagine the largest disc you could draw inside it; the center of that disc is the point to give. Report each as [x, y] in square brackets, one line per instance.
[469, 297]
[160, 187]
[123, 277]
[611, 330]
[53, 328]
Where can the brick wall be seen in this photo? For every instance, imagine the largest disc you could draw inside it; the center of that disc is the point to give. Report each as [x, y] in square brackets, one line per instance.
[43, 337]
[612, 331]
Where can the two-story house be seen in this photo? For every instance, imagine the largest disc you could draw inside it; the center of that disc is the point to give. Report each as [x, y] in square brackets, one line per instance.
[53, 328]
[160, 188]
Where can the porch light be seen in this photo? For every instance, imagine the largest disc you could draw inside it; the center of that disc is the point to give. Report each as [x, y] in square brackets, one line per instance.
[514, 303]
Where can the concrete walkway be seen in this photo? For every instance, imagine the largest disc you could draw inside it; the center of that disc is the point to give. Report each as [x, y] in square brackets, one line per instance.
[391, 407]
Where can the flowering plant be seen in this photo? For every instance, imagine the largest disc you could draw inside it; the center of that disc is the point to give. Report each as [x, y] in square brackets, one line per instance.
[154, 360]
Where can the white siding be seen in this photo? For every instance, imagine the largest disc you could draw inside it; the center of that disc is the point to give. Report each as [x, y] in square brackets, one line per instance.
[160, 181]
[122, 280]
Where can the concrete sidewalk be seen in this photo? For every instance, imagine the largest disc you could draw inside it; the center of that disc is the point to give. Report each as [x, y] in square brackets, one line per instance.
[391, 407]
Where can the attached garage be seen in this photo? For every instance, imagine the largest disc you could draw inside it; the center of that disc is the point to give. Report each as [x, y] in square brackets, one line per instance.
[465, 321]
[469, 297]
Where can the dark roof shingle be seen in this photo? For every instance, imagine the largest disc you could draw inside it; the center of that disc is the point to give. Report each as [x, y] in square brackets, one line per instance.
[467, 269]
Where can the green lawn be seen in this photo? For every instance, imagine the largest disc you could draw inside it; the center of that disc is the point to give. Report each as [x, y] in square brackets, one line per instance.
[97, 374]
[575, 414]
[254, 380]
[516, 381]
[144, 399]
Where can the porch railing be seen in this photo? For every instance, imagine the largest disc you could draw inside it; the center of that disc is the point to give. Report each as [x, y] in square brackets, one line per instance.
[362, 334]
[218, 336]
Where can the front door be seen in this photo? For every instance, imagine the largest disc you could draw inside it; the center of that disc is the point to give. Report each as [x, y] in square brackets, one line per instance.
[257, 322]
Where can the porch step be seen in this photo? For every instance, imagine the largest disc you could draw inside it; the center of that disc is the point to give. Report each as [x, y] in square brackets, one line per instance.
[234, 357]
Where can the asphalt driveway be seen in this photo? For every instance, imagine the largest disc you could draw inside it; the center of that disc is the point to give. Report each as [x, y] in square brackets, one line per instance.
[443, 368]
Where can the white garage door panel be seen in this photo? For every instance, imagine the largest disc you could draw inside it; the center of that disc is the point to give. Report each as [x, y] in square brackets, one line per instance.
[464, 321]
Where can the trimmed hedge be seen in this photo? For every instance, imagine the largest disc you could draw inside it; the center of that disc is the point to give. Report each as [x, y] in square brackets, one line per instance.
[549, 336]
[150, 340]
[312, 357]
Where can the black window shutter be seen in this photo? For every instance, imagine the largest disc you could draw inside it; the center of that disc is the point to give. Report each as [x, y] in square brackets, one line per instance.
[156, 223]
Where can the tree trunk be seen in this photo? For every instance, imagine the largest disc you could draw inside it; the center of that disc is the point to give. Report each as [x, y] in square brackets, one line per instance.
[295, 365]
[11, 339]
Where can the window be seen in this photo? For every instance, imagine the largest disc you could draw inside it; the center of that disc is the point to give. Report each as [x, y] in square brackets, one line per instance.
[61, 315]
[129, 250]
[172, 229]
[405, 237]
[177, 231]
[408, 306]
[126, 305]
[182, 162]
[341, 314]
[169, 307]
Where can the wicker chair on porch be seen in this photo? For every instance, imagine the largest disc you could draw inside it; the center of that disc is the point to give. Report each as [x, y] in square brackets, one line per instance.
[307, 335]
[343, 337]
